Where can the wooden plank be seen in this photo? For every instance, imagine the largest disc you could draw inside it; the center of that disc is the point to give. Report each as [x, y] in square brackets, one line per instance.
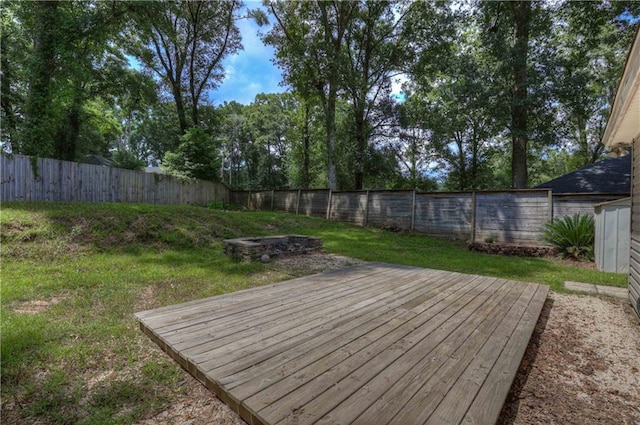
[260, 324]
[432, 376]
[321, 344]
[172, 315]
[443, 394]
[406, 352]
[399, 381]
[273, 407]
[395, 344]
[306, 354]
[493, 391]
[293, 339]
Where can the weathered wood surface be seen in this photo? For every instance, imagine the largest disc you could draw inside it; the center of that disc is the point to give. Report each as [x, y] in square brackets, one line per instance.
[444, 215]
[514, 217]
[375, 344]
[42, 179]
[314, 202]
[260, 200]
[348, 207]
[578, 203]
[390, 208]
[634, 258]
[285, 200]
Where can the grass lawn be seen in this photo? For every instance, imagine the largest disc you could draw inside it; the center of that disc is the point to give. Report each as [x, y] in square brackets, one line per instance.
[74, 274]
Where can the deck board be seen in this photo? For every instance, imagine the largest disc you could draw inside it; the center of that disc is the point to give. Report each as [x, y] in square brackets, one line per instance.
[377, 343]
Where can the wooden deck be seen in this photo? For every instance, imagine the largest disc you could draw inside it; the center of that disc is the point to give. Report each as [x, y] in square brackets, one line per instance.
[374, 344]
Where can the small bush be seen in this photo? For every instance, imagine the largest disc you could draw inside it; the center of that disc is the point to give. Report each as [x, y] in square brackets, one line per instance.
[572, 235]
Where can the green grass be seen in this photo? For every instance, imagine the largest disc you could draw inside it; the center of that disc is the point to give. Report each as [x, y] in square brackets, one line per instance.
[74, 274]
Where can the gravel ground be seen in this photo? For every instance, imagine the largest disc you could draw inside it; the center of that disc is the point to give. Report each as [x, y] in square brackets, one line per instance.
[582, 365]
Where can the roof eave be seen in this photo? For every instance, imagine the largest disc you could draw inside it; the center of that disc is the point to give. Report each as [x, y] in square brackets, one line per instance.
[624, 122]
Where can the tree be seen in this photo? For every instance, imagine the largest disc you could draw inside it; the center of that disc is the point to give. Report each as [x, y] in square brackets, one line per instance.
[74, 47]
[309, 42]
[184, 43]
[196, 157]
[13, 53]
[591, 41]
[373, 52]
[268, 119]
[412, 146]
[521, 11]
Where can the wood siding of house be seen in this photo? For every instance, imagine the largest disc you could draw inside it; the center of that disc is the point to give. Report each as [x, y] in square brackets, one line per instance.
[634, 260]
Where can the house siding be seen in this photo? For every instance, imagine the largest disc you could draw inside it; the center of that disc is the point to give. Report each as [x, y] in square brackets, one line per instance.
[634, 260]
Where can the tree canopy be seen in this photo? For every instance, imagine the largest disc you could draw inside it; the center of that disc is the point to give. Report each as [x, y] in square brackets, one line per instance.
[493, 94]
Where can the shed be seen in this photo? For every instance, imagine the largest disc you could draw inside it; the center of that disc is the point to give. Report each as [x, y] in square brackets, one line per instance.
[623, 129]
[613, 224]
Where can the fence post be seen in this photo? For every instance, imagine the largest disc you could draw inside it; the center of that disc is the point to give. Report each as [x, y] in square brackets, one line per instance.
[550, 197]
[473, 216]
[272, 195]
[298, 203]
[249, 201]
[413, 210]
[329, 206]
[366, 210]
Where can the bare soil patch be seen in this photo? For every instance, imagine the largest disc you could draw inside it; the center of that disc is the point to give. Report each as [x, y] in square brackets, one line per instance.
[36, 306]
[582, 365]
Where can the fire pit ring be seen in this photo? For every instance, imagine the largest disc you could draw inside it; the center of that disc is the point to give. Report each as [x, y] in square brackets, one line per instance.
[252, 249]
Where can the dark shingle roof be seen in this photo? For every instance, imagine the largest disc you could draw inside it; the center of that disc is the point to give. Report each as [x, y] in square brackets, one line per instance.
[612, 175]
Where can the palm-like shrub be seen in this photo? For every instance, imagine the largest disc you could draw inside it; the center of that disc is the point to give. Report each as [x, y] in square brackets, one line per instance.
[572, 235]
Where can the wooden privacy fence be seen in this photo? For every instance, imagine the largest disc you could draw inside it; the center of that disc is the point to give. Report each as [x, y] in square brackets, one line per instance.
[515, 216]
[39, 179]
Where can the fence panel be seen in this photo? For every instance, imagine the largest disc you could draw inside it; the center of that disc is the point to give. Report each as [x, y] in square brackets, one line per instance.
[390, 208]
[514, 217]
[348, 207]
[240, 199]
[260, 200]
[314, 202]
[444, 215]
[579, 203]
[43, 179]
[285, 200]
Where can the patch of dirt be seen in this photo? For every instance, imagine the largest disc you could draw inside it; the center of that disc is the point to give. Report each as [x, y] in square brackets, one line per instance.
[582, 366]
[36, 306]
[590, 265]
[146, 299]
[317, 262]
[198, 406]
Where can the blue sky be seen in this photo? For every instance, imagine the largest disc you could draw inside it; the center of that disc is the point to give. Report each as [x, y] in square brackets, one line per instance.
[250, 71]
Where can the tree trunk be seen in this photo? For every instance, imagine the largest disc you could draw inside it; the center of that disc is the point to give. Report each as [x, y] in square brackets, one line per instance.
[305, 148]
[38, 136]
[182, 116]
[461, 165]
[68, 136]
[519, 107]
[361, 150]
[330, 122]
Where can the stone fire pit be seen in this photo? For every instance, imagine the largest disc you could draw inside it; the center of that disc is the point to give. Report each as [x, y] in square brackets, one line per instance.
[252, 249]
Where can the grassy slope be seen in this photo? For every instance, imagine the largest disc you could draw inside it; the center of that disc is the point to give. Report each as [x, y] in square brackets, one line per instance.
[89, 267]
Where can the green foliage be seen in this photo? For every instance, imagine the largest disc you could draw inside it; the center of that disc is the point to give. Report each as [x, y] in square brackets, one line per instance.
[69, 89]
[572, 235]
[126, 159]
[196, 157]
